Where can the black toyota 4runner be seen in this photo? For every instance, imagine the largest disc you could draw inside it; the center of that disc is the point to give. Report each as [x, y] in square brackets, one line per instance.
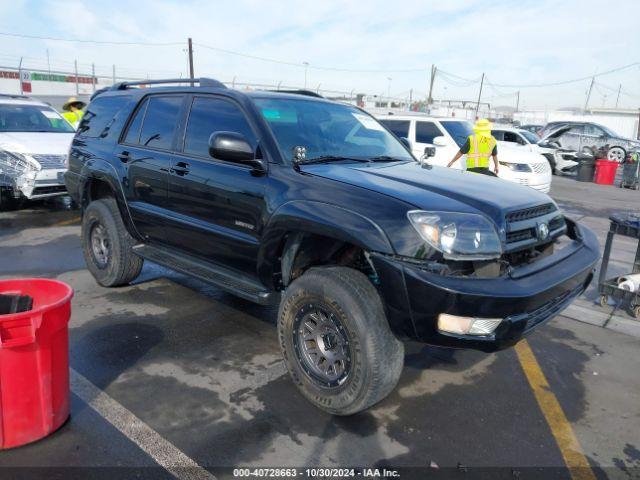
[313, 204]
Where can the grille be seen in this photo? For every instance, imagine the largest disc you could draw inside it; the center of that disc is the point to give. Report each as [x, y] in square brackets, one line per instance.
[540, 167]
[529, 213]
[50, 161]
[49, 190]
[521, 235]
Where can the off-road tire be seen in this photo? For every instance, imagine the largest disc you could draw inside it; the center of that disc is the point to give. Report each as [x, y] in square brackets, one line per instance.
[377, 356]
[122, 265]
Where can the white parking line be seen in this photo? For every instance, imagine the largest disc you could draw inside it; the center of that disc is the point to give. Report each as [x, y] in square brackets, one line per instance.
[151, 442]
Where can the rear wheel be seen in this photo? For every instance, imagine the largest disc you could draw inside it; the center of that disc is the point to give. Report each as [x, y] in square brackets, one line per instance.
[336, 340]
[107, 245]
[616, 154]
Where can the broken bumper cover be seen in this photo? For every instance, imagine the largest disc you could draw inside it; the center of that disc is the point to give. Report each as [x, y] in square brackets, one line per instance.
[524, 299]
[40, 184]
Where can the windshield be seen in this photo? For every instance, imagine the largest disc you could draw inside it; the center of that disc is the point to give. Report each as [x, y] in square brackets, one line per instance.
[32, 118]
[459, 130]
[531, 137]
[328, 130]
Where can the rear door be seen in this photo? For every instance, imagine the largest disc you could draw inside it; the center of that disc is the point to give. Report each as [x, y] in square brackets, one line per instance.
[216, 206]
[146, 149]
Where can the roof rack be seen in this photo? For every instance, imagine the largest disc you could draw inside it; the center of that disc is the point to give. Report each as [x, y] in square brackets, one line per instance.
[204, 82]
[308, 93]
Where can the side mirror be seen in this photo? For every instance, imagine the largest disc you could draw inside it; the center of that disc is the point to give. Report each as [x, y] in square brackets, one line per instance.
[440, 141]
[429, 152]
[234, 147]
[405, 141]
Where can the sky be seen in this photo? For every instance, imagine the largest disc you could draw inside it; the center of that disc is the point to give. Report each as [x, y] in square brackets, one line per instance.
[375, 47]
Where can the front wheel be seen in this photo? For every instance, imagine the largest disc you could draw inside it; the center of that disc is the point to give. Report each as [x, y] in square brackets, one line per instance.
[336, 340]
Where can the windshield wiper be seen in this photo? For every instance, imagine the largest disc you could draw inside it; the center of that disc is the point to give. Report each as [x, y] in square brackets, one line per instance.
[331, 158]
[387, 158]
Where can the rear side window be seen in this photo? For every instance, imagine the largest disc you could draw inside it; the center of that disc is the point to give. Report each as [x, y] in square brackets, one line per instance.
[159, 122]
[400, 128]
[497, 134]
[209, 115]
[426, 132]
[100, 115]
[133, 132]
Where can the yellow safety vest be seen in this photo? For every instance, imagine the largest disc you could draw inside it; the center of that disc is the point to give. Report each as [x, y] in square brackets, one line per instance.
[480, 148]
[73, 117]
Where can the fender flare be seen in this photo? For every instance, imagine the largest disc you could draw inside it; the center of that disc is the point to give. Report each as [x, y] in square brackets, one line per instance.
[320, 218]
[103, 171]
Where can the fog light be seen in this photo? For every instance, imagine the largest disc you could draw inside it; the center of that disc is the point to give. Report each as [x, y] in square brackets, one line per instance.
[467, 325]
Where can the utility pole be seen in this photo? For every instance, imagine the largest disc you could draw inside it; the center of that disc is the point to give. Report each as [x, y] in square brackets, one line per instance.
[433, 78]
[586, 103]
[93, 76]
[389, 92]
[306, 66]
[113, 73]
[48, 65]
[75, 64]
[618, 97]
[479, 94]
[190, 59]
[518, 101]
[410, 98]
[20, 76]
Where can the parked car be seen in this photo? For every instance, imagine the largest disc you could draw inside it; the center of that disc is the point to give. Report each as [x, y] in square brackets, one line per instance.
[560, 160]
[314, 205]
[586, 136]
[34, 142]
[447, 135]
[532, 128]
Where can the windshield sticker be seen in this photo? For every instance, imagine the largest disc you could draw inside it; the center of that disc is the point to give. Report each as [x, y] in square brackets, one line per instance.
[368, 122]
[50, 114]
[270, 114]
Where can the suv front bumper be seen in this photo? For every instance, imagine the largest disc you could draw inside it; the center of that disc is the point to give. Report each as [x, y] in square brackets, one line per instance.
[526, 298]
[41, 184]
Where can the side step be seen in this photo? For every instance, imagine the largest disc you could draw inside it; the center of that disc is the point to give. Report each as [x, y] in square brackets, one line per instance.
[229, 280]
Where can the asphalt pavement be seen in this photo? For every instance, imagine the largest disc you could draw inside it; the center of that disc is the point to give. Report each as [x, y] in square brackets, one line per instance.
[175, 378]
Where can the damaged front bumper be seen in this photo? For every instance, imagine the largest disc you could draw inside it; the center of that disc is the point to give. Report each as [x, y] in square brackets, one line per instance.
[32, 184]
[524, 298]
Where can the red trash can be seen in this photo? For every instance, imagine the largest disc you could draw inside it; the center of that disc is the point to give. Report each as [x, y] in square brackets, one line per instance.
[34, 359]
[605, 172]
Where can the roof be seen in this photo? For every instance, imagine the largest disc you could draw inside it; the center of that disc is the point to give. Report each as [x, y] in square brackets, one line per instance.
[417, 116]
[7, 99]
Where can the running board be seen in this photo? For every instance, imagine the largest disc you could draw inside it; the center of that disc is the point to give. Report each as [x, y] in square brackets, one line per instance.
[231, 281]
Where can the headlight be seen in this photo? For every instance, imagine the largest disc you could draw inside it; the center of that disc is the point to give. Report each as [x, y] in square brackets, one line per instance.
[16, 163]
[459, 236]
[517, 167]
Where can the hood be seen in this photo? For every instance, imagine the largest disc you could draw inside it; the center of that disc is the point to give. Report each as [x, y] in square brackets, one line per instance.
[36, 142]
[434, 188]
[514, 153]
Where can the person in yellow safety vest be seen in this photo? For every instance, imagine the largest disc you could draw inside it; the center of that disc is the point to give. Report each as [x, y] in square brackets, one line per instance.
[73, 111]
[478, 148]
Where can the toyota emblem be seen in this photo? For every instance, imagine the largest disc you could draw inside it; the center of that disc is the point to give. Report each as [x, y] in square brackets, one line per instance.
[543, 231]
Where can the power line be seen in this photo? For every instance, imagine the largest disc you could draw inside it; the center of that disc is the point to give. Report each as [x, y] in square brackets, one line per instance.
[98, 42]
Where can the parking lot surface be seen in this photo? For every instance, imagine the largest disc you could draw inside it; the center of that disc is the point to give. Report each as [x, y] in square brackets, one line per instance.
[173, 377]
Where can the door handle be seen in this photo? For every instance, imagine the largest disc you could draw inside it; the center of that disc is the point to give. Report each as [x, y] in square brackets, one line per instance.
[124, 156]
[181, 168]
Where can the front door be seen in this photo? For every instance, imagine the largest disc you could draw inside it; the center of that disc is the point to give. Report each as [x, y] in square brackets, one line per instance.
[216, 206]
[146, 152]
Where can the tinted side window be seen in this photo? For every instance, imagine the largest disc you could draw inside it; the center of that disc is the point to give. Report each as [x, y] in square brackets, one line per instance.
[160, 122]
[209, 115]
[426, 132]
[100, 114]
[400, 128]
[593, 130]
[498, 134]
[511, 137]
[133, 132]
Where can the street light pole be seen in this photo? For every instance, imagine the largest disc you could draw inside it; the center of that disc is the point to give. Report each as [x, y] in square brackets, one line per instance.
[389, 92]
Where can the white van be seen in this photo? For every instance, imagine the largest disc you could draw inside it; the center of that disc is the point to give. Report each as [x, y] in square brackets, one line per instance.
[447, 135]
